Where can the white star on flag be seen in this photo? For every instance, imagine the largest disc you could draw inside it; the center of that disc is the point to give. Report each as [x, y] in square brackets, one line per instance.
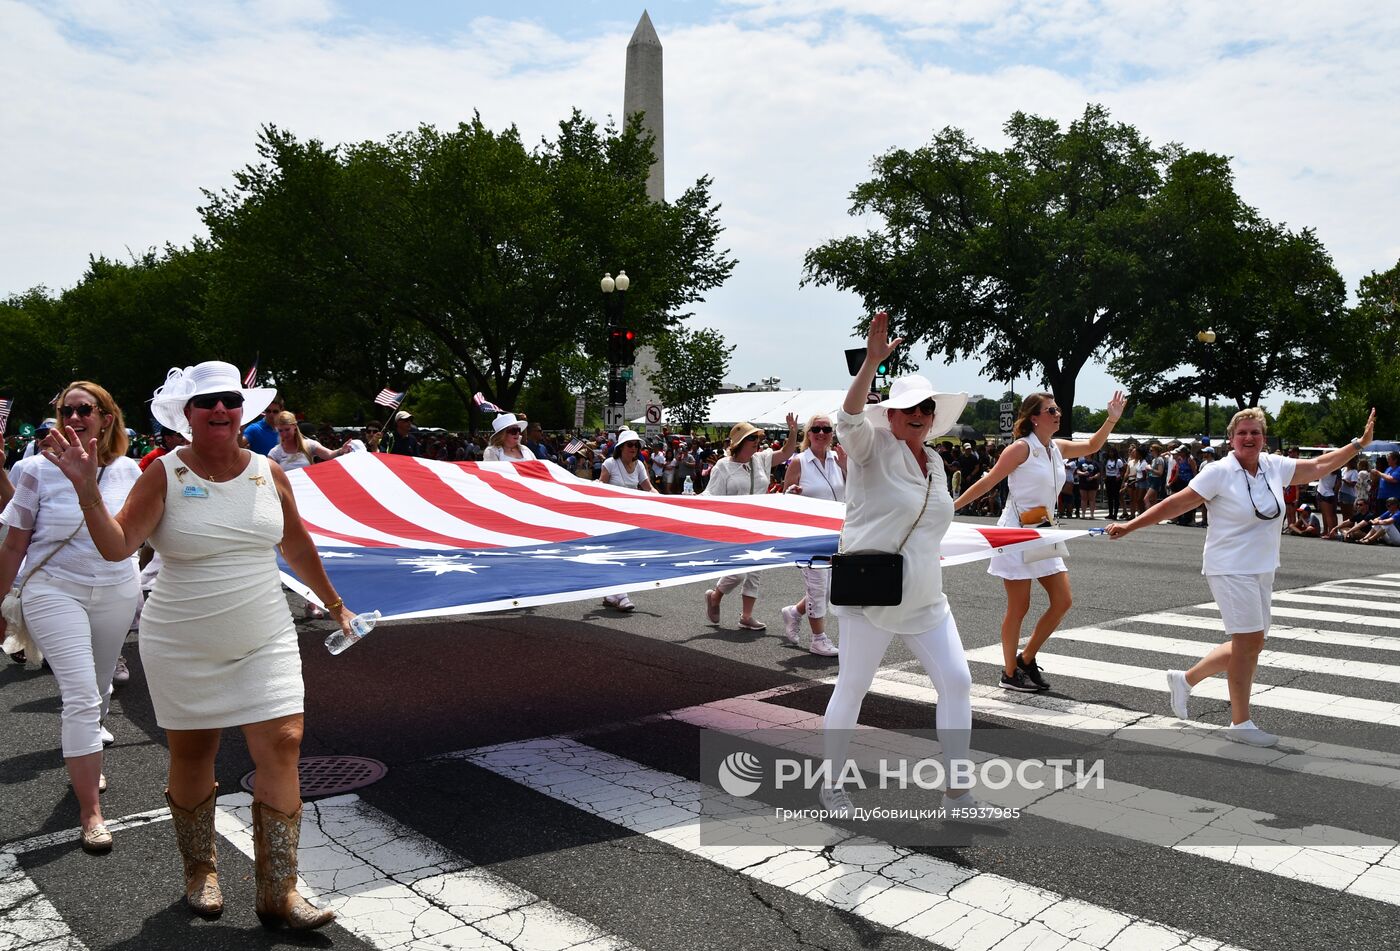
[339, 554]
[440, 564]
[762, 554]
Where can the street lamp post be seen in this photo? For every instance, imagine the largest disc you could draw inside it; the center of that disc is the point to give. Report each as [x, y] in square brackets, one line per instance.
[615, 307]
[1207, 337]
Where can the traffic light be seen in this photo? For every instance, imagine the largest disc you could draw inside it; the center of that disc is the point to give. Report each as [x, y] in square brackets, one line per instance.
[855, 357]
[615, 345]
[883, 369]
[629, 347]
[617, 392]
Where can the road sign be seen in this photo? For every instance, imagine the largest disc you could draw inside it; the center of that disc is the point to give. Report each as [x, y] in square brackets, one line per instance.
[1008, 418]
[578, 412]
[614, 418]
[654, 413]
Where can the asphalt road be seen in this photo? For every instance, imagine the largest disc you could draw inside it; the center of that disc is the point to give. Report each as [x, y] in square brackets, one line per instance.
[413, 692]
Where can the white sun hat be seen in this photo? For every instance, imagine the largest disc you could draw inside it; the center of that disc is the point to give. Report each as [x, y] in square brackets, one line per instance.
[627, 435]
[505, 421]
[212, 376]
[910, 391]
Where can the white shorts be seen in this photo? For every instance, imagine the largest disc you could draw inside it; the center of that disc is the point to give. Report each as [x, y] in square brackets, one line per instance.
[1243, 601]
[1010, 566]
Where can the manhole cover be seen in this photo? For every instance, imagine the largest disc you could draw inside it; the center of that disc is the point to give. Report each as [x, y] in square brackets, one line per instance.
[331, 775]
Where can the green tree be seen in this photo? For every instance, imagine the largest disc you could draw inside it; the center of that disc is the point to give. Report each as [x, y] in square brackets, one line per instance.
[1047, 254]
[691, 365]
[1280, 320]
[34, 362]
[1373, 377]
[461, 254]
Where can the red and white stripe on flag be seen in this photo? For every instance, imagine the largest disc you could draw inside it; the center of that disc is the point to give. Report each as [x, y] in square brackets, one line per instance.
[250, 379]
[437, 511]
[390, 398]
[574, 445]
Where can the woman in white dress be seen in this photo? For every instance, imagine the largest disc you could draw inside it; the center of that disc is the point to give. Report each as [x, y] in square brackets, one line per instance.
[1034, 467]
[623, 468]
[295, 451]
[818, 471]
[77, 606]
[507, 443]
[216, 637]
[1243, 493]
[747, 470]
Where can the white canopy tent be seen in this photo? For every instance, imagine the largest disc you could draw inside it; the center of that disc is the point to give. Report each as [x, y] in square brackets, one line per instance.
[765, 408]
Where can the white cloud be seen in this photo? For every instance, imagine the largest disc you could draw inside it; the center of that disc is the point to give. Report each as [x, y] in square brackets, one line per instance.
[120, 112]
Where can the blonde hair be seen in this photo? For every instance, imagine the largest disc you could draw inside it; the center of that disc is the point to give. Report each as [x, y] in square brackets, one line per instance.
[1253, 412]
[285, 418]
[113, 443]
[807, 430]
[1030, 406]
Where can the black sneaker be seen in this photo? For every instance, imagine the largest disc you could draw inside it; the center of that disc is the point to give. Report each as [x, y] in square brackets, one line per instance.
[1018, 681]
[1032, 671]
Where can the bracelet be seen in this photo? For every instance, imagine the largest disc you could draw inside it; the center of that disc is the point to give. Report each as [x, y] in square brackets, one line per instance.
[1356, 442]
[91, 505]
[335, 605]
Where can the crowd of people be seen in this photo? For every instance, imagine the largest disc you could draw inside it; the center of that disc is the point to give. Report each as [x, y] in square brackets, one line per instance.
[183, 541]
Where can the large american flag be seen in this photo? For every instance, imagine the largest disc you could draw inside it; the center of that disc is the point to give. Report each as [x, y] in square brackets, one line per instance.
[420, 538]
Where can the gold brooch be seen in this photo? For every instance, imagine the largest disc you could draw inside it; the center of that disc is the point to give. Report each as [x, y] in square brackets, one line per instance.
[180, 473]
[258, 480]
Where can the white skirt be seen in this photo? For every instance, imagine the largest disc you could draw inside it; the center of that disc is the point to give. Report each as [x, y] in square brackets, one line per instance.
[1009, 566]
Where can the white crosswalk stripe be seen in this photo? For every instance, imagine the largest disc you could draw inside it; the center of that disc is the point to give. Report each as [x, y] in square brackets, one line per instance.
[1380, 642]
[950, 905]
[1366, 604]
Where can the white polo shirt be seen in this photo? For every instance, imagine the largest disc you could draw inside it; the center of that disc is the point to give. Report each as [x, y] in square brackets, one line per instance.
[1237, 541]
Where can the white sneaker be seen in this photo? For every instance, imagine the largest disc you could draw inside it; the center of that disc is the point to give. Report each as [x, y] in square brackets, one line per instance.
[821, 644]
[836, 801]
[1250, 734]
[107, 738]
[792, 625]
[1180, 692]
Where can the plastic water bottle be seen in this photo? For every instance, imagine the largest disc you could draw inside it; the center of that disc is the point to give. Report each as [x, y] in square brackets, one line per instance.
[687, 487]
[338, 642]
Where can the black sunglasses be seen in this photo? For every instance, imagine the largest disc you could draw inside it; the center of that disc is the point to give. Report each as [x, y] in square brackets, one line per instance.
[210, 400]
[1249, 487]
[1052, 410]
[926, 407]
[512, 431]
[84, 410]
[818, 429]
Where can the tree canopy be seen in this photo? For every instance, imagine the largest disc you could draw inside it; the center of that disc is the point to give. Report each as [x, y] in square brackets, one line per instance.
[1069, 244]
[691, 366]
[463, 253]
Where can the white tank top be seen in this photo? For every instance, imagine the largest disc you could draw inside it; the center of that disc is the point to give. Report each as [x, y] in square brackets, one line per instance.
[619, 476]
[1034, 482]
[820, 481]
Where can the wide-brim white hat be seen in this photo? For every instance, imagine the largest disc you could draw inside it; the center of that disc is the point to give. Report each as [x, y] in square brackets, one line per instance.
[627, 435]
[212, 376]
[910, 391]
[504, 421]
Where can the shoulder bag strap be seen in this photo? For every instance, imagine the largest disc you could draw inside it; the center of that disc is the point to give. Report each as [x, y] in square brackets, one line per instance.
[928, 489]
[74, 534]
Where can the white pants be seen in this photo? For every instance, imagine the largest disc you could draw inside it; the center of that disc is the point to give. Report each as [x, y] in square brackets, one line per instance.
[818, 584]
[729, 582]
[80, 629]
[938, 649]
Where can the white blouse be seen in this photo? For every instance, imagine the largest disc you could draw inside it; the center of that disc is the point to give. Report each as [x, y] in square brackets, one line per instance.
[498, 454]
[46, 503]
[885, 491]
[294, 460]
[619, 476]
[728, 477]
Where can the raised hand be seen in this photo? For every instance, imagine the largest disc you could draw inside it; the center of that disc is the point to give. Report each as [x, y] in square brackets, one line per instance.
[877, 340]
[1117, 405]
[792, 422]
[67, 452]
[1370, 434]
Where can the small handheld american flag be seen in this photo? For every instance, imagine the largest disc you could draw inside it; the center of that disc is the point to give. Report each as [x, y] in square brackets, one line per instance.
[5, 414]
[250, 379]
[485, 405]
[390, 398]
[574, 446]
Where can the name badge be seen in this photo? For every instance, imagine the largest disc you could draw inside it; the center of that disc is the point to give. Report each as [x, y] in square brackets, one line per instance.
[196, 492]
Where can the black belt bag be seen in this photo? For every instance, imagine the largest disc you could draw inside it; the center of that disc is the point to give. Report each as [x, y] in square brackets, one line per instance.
[867, 578]
[870, 578]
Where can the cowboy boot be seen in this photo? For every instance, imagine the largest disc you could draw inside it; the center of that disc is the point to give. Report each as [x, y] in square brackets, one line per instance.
[194, 831]
[275, 838]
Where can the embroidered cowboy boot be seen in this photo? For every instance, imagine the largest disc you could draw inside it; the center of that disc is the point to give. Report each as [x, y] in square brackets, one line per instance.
[275, 838]
[194, 831]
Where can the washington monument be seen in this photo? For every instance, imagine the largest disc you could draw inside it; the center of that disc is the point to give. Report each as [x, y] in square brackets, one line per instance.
[641, 92]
